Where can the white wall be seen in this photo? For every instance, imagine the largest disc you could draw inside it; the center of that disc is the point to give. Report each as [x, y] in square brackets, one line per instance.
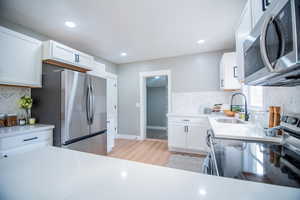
[192, 73]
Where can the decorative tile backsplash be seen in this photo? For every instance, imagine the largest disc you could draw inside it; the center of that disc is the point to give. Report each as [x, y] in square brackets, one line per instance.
[195, 102]
[286, 97]
[9, 97]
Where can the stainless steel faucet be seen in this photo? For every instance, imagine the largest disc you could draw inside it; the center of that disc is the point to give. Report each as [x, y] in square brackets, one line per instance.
[246, 105]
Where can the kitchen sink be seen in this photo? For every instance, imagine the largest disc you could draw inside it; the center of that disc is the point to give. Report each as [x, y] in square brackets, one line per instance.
[231, 121]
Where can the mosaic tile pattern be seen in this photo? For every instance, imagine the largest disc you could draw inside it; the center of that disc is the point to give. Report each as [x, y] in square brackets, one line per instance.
[9, 97]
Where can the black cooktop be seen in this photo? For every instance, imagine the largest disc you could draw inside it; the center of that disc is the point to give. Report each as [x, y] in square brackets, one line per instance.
[258, 162]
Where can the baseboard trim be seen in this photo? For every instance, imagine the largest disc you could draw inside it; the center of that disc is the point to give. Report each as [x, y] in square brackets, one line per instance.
[192, 151]
[129, 137]
[157, 127]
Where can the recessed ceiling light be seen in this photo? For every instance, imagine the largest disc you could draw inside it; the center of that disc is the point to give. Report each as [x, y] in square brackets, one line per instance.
[200, 41]
[123, 54]
[156, 77]
[70, 24]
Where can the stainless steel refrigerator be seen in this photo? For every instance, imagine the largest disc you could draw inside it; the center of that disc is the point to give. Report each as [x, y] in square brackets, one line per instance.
[75, 103]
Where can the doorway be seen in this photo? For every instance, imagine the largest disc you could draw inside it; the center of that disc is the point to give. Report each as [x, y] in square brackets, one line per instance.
[157, 107]
[155, 103]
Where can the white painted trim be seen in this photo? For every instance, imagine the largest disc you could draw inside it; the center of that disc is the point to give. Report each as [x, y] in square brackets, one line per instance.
[143, 100]
[183, 150]
[157, 127]
[129, 137]
[105, 75]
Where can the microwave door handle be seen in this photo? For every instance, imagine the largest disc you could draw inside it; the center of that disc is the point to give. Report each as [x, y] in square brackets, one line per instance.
[263, 48]
[280, 29]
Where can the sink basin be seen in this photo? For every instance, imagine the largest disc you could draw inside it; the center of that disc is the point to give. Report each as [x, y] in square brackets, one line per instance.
[230, 121]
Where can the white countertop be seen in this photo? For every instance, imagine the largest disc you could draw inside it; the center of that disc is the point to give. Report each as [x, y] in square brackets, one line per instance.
[55, 173]
[245, 132]
[186, 115]
[18, 130]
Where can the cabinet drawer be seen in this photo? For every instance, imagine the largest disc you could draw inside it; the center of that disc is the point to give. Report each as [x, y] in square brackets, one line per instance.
[187, 121]
[32, 138]
[24, 148]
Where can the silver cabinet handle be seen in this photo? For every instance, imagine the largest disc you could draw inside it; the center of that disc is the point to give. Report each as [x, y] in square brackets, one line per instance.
[29, 139]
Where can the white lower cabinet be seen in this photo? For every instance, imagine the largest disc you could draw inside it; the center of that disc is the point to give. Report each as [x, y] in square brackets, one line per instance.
[177, 135]
[21, 143]
[188, 135]
[196, 138]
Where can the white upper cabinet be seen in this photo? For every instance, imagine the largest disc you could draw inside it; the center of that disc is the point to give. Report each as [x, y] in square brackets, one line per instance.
[55, 51]
[98, 67]
[229, 72]
[21, 59]
[257, 10]
[242, 32]
[258, 7]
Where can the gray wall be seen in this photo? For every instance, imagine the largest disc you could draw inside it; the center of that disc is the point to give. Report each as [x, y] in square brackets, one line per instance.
[157, 106]
[193, 73]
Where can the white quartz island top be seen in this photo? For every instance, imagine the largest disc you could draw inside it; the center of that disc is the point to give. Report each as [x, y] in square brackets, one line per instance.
[54, 173]
[18, 130]
[245, 132]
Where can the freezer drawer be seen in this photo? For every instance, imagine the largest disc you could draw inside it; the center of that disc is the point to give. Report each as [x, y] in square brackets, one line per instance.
[96, 145]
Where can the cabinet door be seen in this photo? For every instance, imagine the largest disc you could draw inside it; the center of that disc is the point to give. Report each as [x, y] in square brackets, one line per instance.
[21, 59]
[112, 97]
[196, 138]
[228, 72]
[241, 34]
[231, 72]
[111, 133]
[24, 148]
[63, 53]
[84, 60]
[222, 77]
[177, 135]
[257, 8]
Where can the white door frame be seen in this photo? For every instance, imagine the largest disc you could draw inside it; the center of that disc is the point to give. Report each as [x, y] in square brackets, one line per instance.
[143, 99]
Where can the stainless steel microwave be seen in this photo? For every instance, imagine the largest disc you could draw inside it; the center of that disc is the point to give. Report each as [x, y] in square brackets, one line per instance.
[271, 51]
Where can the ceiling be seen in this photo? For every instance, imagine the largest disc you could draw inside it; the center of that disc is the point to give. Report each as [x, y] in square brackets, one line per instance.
[144, 29]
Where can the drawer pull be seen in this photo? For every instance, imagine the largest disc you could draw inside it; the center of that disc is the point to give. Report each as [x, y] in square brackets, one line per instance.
[29, 139]
[186, 120]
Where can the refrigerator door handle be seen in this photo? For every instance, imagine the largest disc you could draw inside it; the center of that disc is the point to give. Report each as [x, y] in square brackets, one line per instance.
[92, 101]
[88, 104]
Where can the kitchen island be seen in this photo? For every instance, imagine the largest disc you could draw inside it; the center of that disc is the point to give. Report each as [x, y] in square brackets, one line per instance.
[56, 173]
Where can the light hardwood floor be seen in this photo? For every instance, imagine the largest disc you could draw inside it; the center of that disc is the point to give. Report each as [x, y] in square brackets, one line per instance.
[150, 151]
[147, 151]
